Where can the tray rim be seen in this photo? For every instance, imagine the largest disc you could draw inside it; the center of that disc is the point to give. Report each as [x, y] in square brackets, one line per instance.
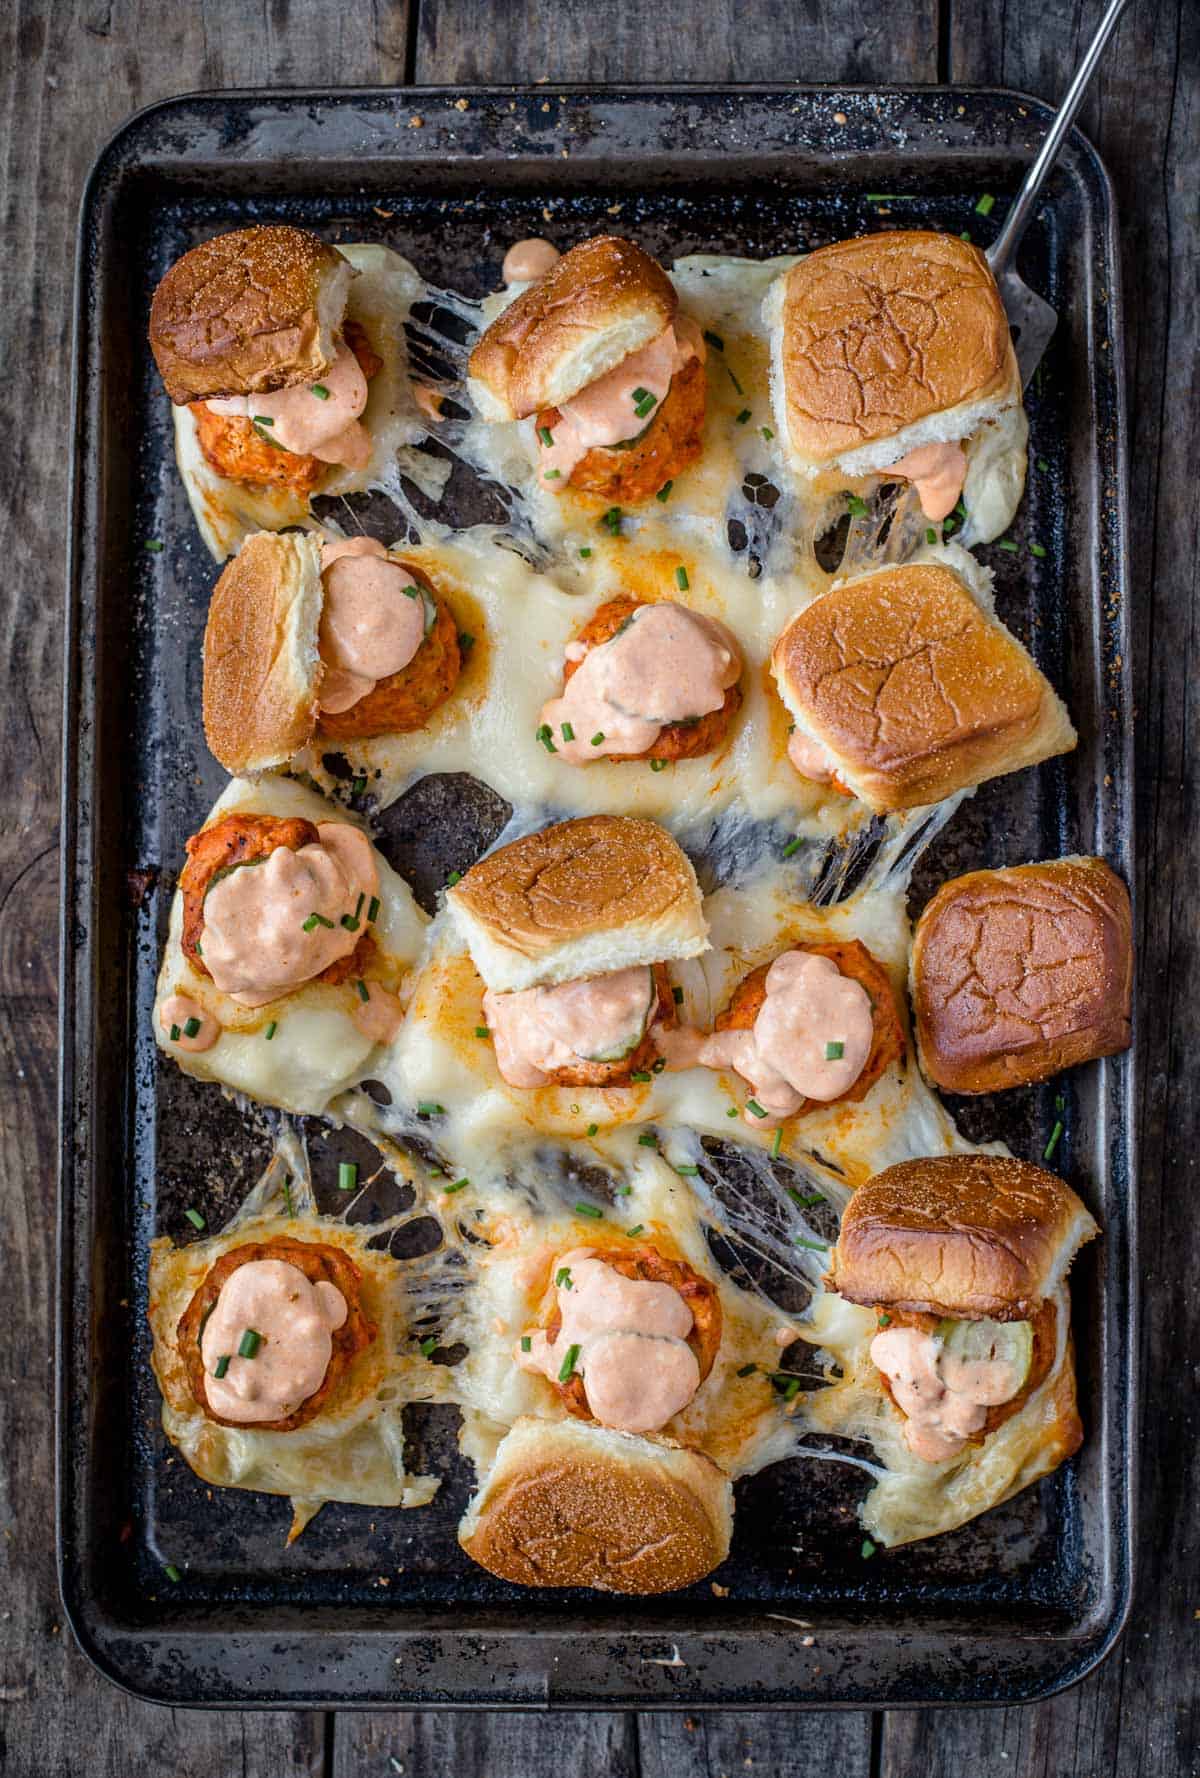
[99, 1636]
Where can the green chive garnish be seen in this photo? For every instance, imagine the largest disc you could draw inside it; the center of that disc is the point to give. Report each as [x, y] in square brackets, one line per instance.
[551, 475]
[287, 1195]
[805, 1203]
[639, 395]
[249, 1343]
[589, 1210]
[791, 1389]
[526, 1343]
[373, 910]
[562, 1278]
[222, 1365]
[191, 1027]
[315, 920]
[623, 1191]
[153, 546]
[1042, 463]
[677, 996]
[347, 1175]
[568, 1364]
[754, 1106]
[813, 1246]
[466, 641]
[883, 1320]
[358, 786]
[658, 765]
[984, 207]
[482, 1031]
[364, 993]
[459, 1185]
[664, 493]
[868, 1548]
[1035, 549]
[430, 1108]
[930, 534]
[776, 1144]
[592, 1129]
[747, 1370]
[743, 416]
[271, 1030]
[735, 382]
[714, 340]
[612, 519]
[834, 1051]
[1007, 544]
[767, 433]
[171, 1572]
[1055, 1138]
[428, 1346]
[320, 391]
[792, 846]
[262, 420]
[647, 1141]
[681, 579]
[195, 1218]
[688, 1172]
[546, 738]
[454, 877]
[732, 1112]
[585, 553]
[641, 1075]
[568, 732]
[639, 1228]
[175, 1034]
[856, 506]
[349, 922]
[597, 738]
[546, 436]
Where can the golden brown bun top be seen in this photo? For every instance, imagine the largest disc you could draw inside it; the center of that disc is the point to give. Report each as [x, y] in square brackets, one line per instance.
[881, 332]
[576, 1506]
[963, 1235]
[598, 874]
[1018, 973]
[240, 314]
[599, 302]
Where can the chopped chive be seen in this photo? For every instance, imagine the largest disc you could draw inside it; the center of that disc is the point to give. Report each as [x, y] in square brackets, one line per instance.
[639, 1228]
[791, 1389]
[792, 846]
[466, 641]
[568, 1364]
[947, 527]
[364, 993]
[732, 1112]
[249, 1343]
[623, 1191]
[868, 1548]
[1042, 463]
[664, 493]
[347, 1175]
[688, 1172]
[639, 394]
[641, 1075]
[735, 382]
[747, 1370]
[349, 922]
[459, 1185]
[930, 534]
[681, 579]
[373, 910]
[965, 235]
[1007, 544]
[191, 1027]
[767, 433]
[430, 1108]
[834, 1051]
[1055, 1138]
[585, 553]
[262, 420]
[776, 1144]
[315, 919]
[813, 1246]
[222, 1365]
[546, 436]
[743, 416]
[658, 765]
[195, 1218]
[526, 1343]
[643, 408]
[612, 520]
[153, 546]
[647, 1141]
[805, 1203]
[856, 506]
[482, 1031]
[986, 205]
[562, 1278]
[287, 1195]
[271, 1030]
[568, 732]
[1035, 549]
[454, 877]
[883, 1319]
[551, 475]
[358, 786]
[754, 1106]
[428, 1346]
[677, 996]
[592, 1129]
[714, 340]
[175, 1033]
[597, 738]
[1060, 1103]
[589, 1210]
[171, 1572]
[320, 391]
[546, 738]
[960, 510]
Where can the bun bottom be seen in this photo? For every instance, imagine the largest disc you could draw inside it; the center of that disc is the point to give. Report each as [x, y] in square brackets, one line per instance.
[567, 1504]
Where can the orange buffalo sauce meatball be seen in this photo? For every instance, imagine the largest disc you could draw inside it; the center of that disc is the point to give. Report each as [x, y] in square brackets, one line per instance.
[630, 474]
[406, 700]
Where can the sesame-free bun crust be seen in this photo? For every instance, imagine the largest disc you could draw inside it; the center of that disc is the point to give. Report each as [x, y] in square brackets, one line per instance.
[577, 1505]
[578, 899]
[261, 661]
[963, 1235]
[914, 688]
[248, 312]
[898, 336]
[597, 304]
[1019, 973]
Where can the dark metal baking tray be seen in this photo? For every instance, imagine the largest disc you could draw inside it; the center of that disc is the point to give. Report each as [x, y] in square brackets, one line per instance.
[1010, 1608]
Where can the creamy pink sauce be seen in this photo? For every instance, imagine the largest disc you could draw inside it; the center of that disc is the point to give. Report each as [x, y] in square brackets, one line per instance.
[540, 1030]
[810, 759]
[666, 664]
[326, 428]
[937, 472]
[174, 1014]
[380, 1015]
[604, 413]
[254, 939]
[527, 260]
[295, 1321]
[638, 1370]
[429, 401]
[372, 620]
[810, 1005]
[945, 1399]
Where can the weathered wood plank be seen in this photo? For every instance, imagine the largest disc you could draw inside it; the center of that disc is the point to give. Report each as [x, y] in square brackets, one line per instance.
[475, 41]
[753, 1744]
[1139, 1712]
[68, 76]
[516, 1744]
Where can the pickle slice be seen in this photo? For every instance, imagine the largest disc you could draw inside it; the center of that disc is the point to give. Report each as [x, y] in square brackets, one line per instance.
[629, 1041]
[1007, 1343]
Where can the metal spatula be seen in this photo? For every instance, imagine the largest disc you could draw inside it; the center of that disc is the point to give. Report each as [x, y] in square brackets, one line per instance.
[893, 526]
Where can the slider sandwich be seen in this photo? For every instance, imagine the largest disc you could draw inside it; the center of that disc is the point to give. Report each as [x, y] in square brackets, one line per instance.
[286, 363]
[308, 641]
[964, 1259]
[595, 357]
[891, 360]
[903, 688]
[1019, 973]
[570, 929]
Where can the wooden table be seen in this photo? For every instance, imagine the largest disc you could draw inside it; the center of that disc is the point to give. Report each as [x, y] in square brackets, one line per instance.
[76, 69]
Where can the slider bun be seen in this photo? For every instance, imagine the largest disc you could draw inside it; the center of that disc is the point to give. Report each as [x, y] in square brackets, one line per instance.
[885, 343]
[914, 689]
[575, 1505]
[261, 659]
[248, 312]
[579, 899]
[1019, 973]
[597, 304]
[963, 1235]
